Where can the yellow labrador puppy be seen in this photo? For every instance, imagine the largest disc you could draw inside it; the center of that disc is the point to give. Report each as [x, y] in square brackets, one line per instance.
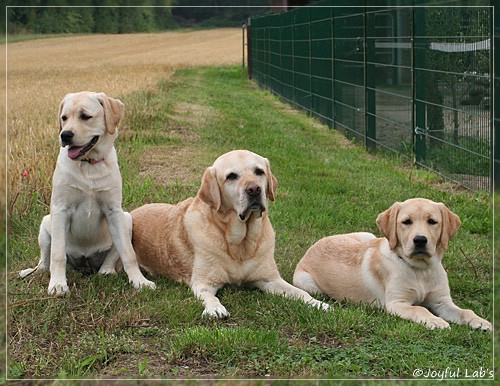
[221, 236]
[87, 227]
[401, 272]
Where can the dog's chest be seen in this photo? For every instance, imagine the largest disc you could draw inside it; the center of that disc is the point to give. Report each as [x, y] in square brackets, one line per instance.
[86, 216]
[94, 186]
[247, 263]
[419, 287]
[87, 209]
[243, 251]
[83, 196]
[241, 272]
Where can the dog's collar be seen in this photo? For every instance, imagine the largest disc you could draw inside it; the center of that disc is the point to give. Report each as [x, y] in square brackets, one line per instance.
[92, 161]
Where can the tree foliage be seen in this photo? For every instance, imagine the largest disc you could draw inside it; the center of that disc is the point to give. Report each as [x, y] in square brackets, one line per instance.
[88, 16]
[218, 12]
[125, 16]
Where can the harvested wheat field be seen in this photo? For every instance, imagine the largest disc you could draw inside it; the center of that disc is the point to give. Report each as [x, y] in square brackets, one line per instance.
[41, 72]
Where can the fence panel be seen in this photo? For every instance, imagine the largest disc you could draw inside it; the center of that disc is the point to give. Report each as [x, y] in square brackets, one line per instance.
[302, 58]
[321, 62]
[349, 75]
[414, 80]
[287, 53]
[456, 65]
[389, 72]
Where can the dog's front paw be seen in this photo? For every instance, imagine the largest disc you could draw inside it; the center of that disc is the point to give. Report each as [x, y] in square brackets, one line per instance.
[142, 283]
[320, 305]
[436, 323]
[480, 324]
[58, 288]
[218, 312]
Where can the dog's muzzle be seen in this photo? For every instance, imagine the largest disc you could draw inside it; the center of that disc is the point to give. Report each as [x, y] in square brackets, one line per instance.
[256, 207]
[255, 204]
[77, 151]
[420, 246]
[66, 137]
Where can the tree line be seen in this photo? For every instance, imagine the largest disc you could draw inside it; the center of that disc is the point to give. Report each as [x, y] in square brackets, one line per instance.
[125, 16]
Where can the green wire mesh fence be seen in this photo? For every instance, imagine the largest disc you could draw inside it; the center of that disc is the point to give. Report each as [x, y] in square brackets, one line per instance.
[414, 80]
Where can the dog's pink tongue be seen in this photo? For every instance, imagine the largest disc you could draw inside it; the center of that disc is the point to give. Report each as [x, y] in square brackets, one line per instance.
[74, 152]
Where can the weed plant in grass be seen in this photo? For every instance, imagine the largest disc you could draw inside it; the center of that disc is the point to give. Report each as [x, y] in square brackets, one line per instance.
[326, 185]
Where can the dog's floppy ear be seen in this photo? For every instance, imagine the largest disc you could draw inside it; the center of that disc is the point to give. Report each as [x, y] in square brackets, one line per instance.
[209, 191]
[272, 182]
[113, 111]
[387, 223]
[451, 223]
[61, 105]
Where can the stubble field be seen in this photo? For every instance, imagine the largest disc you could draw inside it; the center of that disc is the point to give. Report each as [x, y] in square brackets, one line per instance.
[41, 72]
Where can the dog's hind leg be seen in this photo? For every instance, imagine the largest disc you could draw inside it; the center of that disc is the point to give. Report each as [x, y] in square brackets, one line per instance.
[108, 266]
[44, 240]
[305, 281]
[281, 287]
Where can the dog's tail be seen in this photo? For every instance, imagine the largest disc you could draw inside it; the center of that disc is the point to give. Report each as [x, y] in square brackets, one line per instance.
[28, 271]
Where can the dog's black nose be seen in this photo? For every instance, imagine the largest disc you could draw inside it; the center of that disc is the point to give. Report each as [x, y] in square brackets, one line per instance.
[253, 190]
[67, 137]
[420, 241]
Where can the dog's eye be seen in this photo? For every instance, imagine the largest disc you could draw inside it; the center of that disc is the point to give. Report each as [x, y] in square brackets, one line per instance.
[232, 176]
[84, 117]
[407, 222]
[259, 172]
[431, 221]
[64, 118]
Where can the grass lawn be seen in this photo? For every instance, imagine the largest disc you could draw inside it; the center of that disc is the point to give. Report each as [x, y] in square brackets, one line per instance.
[326, 185]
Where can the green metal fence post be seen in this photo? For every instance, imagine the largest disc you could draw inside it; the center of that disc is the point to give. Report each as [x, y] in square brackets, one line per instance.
[307, 103]
[418, 63]
[332, 26]
[249, 48]
[267, 53]
[495, 130]
[294, 81]
[369, 59]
